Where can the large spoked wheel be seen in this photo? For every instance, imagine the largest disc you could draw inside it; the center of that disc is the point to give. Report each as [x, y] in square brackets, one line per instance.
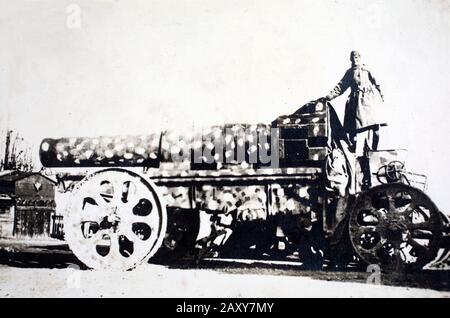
[114, 220]
[395, 226]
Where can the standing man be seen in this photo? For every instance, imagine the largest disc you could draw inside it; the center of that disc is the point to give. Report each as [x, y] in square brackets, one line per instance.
[359, 123]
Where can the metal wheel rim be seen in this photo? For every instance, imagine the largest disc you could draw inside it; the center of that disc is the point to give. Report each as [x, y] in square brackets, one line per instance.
[113, 237]
[404, 218]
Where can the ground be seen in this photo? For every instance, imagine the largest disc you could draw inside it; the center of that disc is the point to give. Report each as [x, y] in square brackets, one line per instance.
[159, 281]
[49, 269]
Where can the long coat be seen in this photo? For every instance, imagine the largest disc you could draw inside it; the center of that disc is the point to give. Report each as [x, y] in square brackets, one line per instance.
[358, 112]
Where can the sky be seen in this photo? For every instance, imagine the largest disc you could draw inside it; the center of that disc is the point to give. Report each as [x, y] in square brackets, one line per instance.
[135, 67]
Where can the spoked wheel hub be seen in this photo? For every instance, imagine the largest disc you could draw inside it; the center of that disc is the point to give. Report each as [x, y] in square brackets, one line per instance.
[114, 220]
[395, 226]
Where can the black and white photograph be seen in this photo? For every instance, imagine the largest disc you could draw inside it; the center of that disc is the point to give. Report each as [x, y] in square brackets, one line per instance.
[250, 149]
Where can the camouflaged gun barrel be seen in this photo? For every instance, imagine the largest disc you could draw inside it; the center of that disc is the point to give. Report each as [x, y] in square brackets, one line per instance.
[229, 144]
[294, 139]
[101, 151]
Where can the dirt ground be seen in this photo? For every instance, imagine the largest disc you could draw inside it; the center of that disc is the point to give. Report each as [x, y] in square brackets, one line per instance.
[160, 281]
[51, 270]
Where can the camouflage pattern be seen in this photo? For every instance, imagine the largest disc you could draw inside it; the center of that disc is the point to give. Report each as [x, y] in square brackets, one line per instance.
[290, 141]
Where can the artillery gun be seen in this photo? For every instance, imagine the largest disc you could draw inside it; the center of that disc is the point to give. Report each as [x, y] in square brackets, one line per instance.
[290, 189]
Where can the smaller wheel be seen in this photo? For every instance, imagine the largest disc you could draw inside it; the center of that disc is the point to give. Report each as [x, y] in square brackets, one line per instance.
[114, 220]
[391, 173]
[395, 226]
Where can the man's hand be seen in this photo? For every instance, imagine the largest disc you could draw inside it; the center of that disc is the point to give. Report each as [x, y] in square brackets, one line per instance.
[322, 100]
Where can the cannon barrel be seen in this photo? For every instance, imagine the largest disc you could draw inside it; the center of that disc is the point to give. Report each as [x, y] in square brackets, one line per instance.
[101, 151]
[202, 149]
[295, 139]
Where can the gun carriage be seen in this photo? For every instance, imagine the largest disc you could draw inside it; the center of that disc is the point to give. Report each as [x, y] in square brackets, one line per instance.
[290, 189]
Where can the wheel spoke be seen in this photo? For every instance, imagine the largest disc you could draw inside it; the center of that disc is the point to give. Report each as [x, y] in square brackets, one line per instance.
[366, 230]
[420, 226]
[421, 234]
[398, 261]
[419, 209]
[367, 206]
[114, 249]
[379, 214]
[95, 238]
[99, 199]
[392, 208]
[100, 237]
[92, 213]
[117, 184]
[128, 233]
[374, 250]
